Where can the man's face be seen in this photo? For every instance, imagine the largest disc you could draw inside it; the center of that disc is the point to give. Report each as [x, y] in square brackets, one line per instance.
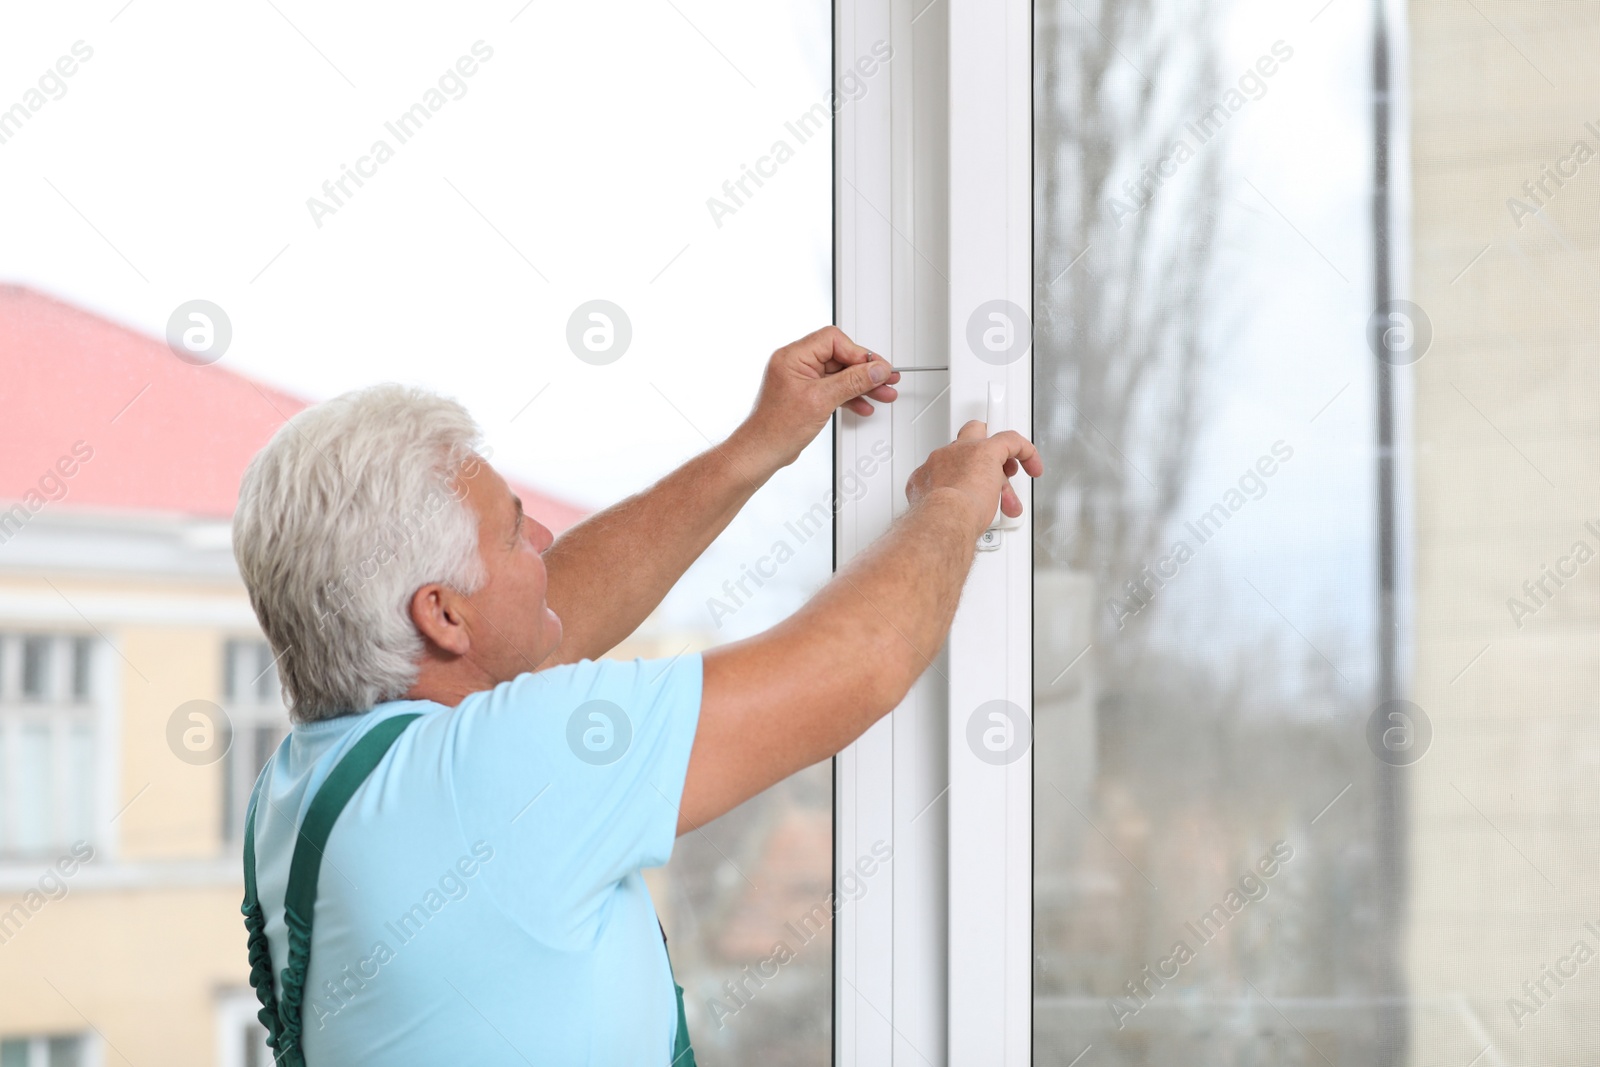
[513, 630]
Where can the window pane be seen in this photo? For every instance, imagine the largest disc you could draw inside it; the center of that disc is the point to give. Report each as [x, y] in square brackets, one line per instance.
[82, 661]
[256, 1052]
[14, 1052]
[266, 675]
[231, 810]
[232, 684]
[65, 1051]
[250, 674]
[266, 739]
[252, 748]
[78, 818]
[1314, 634]
[460, 269]
[36, 667]
[35, 789]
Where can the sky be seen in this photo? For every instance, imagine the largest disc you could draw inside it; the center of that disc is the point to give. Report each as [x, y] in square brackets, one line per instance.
[573, 164]
[1289, 358]
[187, 158]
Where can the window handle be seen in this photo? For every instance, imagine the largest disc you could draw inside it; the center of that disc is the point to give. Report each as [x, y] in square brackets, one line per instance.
[995, 420]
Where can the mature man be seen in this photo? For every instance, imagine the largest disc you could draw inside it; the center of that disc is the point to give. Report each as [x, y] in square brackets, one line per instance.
[443, 863]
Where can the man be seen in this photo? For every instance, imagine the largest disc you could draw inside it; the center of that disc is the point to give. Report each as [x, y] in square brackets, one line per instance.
[479, 899]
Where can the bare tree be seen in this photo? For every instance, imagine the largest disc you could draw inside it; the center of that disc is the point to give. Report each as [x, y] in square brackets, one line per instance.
[1124, 238]
[1199, 760]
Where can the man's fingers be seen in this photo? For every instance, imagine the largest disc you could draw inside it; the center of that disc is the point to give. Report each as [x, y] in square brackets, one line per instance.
[829, 348]
[883, 394]
[845, 350]
[1010, 503]
[1018, 448]
[859, 380]
[973, 431]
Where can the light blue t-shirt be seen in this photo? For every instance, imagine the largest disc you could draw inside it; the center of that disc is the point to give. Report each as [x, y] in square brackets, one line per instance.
[480, 899]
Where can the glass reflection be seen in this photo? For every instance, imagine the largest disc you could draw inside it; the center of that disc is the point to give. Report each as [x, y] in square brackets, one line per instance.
[1313, 629]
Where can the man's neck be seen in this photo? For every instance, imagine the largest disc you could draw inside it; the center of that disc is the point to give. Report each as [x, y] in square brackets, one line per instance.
[449, 685]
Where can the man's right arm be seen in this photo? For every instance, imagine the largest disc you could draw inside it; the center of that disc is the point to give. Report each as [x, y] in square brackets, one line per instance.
[781, 701]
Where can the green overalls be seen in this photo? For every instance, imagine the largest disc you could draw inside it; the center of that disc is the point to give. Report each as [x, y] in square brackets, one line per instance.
[283, 1020]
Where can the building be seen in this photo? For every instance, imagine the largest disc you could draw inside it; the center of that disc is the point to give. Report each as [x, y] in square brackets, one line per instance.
[120, 933]
[1503, 834]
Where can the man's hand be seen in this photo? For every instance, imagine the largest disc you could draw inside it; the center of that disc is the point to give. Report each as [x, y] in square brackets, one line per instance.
[979, 467]
[805, 382]
[611, 570]
[798, 693]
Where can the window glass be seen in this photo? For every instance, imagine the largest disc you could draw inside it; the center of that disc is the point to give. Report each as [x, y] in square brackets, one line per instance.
[581, 226]
[35, 793]
[266, 675]
[64, 1052]
[58, 1051]
[48, 788]
[1314, 628]
[36, 650]
[82, 664]
[254, 1050]
[77, 799]
[232, 686]
[257, 722]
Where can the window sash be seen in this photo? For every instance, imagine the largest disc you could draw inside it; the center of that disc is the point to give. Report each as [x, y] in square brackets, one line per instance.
[49, 787]
[933, 187]
[252, 700]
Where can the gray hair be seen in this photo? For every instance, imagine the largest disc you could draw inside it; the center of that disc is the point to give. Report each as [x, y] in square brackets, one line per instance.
[353, 506]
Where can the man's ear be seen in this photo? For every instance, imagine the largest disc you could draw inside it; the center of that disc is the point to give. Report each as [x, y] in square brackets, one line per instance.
[436, 611]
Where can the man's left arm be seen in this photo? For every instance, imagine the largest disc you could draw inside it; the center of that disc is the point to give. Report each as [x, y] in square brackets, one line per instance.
[611, 570]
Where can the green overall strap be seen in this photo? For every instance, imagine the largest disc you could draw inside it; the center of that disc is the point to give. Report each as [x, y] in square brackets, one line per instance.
[300, 899]
[682, 1054]
[255, 922]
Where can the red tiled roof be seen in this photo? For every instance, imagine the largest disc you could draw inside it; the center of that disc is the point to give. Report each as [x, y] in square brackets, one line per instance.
[167, 436]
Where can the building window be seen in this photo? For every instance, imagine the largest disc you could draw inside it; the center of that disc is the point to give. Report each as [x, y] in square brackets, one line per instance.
[47, 742]
[82, 650]
[36, 650]
[241, 1039]
[58, 1050]
[253, 699]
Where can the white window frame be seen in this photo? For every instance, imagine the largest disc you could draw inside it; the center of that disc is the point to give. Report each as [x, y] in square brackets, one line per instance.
[933, 195]
[61, 713]
[236, 1020]
[91, 1052]
[247, 712]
